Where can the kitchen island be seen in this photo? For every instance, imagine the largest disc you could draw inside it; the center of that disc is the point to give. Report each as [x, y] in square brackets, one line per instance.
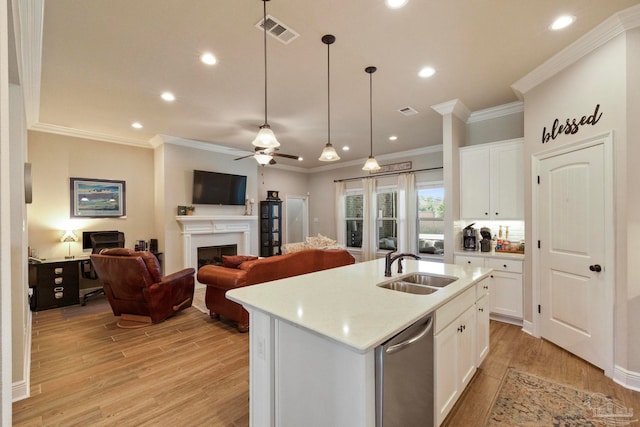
[312, 339]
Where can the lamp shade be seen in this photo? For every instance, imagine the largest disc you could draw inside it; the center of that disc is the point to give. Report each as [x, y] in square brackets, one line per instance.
[69, 236]
[329, 154]
[263, 159]
[371, 164]
[266, 138]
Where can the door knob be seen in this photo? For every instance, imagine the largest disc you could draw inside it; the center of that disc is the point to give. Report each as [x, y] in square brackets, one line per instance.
[596, 268]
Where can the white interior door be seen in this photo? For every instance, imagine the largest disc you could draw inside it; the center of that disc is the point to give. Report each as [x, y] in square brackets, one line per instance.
[576, 297]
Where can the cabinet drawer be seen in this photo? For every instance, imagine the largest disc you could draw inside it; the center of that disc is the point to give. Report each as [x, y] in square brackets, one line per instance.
[469, 260]
[454, 308]
[510, 265]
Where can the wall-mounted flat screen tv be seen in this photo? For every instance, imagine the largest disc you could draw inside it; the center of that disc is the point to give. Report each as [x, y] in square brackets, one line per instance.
[214, 188]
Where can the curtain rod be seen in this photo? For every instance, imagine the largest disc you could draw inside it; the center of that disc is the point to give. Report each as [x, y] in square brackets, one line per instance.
[387, 174]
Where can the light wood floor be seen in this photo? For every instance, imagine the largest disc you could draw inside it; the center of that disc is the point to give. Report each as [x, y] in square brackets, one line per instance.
[193, 371]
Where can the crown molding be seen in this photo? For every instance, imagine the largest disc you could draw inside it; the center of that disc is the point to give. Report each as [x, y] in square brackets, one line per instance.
[86, 134]
[455, 107]
[613, 26]
[28, 18]
[495, 112]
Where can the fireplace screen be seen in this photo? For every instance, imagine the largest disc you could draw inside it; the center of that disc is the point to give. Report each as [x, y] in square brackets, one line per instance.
[213, 254]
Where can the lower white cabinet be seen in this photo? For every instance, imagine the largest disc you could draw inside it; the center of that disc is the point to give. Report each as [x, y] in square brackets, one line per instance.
[482, 329]
[506, 283]
[455, 350]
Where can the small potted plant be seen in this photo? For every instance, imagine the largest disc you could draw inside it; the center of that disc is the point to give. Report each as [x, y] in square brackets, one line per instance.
[190, 210]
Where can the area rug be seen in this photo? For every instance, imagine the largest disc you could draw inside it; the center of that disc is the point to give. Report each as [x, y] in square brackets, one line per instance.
[198, 299]
[528, 400]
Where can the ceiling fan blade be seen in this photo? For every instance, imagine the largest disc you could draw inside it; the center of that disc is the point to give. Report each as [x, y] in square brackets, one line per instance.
[288, 156]
[244, 157]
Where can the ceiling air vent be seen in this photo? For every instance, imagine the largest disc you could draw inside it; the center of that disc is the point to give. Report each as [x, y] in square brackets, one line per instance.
[278, 30]
[408, 111]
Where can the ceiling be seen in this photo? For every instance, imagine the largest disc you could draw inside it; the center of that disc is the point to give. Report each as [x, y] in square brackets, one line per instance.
[106, 62]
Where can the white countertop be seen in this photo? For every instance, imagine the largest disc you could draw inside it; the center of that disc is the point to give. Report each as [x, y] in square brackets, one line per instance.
[344, 304]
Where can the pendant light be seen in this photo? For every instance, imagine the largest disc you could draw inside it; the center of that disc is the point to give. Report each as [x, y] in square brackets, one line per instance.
[371, 164]
[328, 153]
[265, 137]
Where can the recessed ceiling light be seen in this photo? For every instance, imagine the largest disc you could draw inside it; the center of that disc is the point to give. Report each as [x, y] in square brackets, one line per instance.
[562, 22]
[426, 72]
[168, 96]
[208, 58]
[393, 138]
[396, 4]
[345, 148]
[136, 125]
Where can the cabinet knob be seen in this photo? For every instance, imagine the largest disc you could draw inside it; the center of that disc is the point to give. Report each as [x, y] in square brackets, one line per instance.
[486, 213]
[596, 268]
[496, 213]
[504, 265]
[481, 309]
[468, 262]
[491, 276]
[485, 286]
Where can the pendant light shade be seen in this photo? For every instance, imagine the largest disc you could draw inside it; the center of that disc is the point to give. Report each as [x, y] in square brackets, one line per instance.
[371, 164]
[329, 153]
[265, 137]
[263, 159]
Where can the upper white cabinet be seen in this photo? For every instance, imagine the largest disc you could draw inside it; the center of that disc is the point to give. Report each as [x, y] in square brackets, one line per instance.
[492, 181]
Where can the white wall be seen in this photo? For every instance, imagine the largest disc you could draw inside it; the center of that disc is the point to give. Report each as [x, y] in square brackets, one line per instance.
[602, 77]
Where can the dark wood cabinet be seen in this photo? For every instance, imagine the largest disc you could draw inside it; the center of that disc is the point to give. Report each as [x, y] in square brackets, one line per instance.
[270, 227]
[54, 283]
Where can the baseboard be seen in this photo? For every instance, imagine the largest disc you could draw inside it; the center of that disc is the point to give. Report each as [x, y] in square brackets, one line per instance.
[505, 319]
[21, 390]
[626, 379]
[527, 327]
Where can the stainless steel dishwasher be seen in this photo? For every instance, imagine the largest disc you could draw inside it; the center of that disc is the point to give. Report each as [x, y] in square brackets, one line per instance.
[404, 377]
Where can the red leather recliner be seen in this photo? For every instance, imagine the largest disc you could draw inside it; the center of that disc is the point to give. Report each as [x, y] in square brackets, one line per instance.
[135, 287]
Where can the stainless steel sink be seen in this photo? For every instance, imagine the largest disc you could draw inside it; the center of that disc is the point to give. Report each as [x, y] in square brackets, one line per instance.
[418, 283]
[410, 288]
[428, 279]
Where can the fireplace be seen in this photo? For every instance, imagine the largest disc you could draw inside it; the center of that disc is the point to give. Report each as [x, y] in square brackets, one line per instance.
[213, 254]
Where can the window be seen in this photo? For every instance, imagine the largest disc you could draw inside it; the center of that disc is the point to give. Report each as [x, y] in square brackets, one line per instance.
[431, 220]
[353, 216]
[387, 208]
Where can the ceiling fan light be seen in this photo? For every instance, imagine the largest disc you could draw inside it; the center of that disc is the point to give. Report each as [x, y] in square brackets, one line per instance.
[329, 154]
[266, 138]
[371, 164]
[263, 159]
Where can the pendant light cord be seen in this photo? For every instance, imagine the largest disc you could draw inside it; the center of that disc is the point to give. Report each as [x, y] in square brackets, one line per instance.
[264, 27]
[371, 113]
[328, 96]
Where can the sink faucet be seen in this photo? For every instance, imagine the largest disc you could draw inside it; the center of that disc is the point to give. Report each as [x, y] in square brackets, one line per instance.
[388, 261]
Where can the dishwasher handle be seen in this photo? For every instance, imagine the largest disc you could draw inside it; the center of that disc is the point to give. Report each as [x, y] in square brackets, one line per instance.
[397, 347]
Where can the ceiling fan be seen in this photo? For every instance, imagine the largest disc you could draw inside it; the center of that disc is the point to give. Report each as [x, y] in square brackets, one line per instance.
[268, 153]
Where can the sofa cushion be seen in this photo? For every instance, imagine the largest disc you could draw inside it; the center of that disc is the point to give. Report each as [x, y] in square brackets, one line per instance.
[234, 261]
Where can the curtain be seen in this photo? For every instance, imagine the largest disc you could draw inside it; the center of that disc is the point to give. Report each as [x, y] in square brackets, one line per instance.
[407, 211]
[341, 228]
[369, 223]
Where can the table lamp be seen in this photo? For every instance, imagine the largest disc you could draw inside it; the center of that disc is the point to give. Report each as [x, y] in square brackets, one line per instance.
[68, 237]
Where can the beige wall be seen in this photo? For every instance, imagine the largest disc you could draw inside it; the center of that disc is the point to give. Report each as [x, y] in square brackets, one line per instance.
[56, 158]
[174, 165]
[604, 77]
[501, 128]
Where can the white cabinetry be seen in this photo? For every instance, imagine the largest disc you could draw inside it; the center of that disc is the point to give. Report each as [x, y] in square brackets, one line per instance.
[492, 181]
[457, 331]
[482, 321]
[505, 297]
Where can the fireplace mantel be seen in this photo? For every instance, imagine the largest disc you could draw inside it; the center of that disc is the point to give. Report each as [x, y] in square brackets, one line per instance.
[211, 230]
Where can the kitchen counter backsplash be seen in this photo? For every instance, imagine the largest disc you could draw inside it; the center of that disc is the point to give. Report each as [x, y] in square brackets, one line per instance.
[516, 230]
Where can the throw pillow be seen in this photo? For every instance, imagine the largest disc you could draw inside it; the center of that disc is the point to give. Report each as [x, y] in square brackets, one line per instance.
[234, 261]
[320, 241]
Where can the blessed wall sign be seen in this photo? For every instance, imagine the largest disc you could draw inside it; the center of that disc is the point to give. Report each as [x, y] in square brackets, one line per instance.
[570, 126]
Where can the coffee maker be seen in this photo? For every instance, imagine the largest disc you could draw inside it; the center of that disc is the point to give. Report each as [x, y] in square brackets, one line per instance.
[469, 238]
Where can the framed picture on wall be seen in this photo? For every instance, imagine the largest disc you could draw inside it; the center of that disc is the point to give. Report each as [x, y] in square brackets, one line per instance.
[97, 198]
